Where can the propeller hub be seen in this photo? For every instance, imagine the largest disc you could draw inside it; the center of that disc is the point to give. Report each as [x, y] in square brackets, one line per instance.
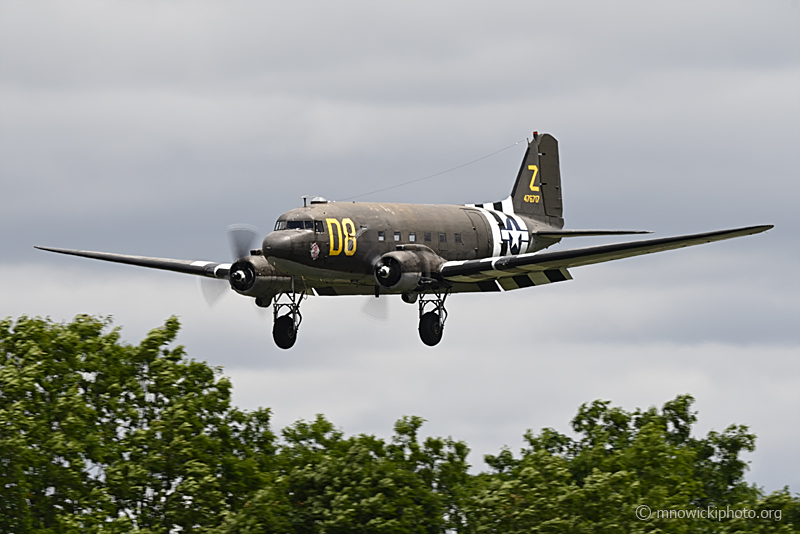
[384, 271]
[388, 272]
[242, 276]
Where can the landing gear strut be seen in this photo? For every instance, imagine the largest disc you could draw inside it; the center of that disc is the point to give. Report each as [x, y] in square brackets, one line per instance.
[431, 324]
[284, 329]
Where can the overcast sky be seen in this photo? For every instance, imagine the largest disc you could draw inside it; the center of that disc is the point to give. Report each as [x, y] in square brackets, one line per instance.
[148, 128]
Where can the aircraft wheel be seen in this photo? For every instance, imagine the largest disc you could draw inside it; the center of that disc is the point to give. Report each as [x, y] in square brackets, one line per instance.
[430, 329]
[284, 332]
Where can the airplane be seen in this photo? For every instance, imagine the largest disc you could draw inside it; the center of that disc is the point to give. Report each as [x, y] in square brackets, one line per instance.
[422, 252]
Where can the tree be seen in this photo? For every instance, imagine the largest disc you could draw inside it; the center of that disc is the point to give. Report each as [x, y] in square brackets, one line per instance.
[97, 435]
[100, 436]
[361, 484]
[618, 462]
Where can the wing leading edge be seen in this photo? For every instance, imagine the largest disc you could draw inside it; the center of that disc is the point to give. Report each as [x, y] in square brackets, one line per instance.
[558, 234]
[551, 266]
[200, 268]
[525, 269]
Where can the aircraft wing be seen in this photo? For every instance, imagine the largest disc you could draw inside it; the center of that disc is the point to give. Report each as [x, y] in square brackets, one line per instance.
[539, 268]
[200, 268]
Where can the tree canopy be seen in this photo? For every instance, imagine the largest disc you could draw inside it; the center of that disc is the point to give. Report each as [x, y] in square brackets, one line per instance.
[101, 436]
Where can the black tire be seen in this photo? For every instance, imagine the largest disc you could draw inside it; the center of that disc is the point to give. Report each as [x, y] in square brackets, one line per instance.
[283, 332]
[430, 329]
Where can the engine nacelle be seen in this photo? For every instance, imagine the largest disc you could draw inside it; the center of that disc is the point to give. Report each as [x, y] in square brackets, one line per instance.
[254, 276]
[402, 270]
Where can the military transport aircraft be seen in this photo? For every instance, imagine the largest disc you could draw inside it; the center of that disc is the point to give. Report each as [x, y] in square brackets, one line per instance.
[422, 252]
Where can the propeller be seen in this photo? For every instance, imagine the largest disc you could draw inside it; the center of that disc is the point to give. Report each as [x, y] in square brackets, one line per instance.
[241, 239]
[212, 289]
[376, 308]
[263, 313]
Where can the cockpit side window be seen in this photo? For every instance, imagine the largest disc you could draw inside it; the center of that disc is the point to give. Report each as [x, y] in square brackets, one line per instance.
[318, 227]
[280, 225]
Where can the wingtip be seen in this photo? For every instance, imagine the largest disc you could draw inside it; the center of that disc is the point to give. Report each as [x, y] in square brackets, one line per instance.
[57, 250]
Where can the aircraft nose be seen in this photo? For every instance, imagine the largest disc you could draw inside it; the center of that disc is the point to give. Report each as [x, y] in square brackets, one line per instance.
[277, 244]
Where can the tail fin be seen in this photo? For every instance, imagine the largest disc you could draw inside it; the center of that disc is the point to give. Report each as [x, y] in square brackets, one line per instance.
[537, 191]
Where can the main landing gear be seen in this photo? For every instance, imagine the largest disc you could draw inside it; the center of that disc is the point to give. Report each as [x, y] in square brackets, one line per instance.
[284, 329]
[431, 323]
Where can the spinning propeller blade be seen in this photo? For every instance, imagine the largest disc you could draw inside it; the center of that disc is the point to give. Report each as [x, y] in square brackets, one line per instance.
[263, 313]
[376, 308]
[213, 290]
[241, 238]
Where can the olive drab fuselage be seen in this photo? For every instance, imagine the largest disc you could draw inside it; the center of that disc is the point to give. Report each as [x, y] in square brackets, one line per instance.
[342, 241]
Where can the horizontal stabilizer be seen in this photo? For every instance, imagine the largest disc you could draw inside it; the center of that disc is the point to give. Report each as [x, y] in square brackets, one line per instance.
[557, 234]
[201, 268]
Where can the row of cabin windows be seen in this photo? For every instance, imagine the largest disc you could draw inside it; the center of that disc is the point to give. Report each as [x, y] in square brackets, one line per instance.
[412, 237]
[318, 227]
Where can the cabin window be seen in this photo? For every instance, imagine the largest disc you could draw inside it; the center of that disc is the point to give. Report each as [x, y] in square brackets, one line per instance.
[428, 237]
[412, 236]
[442, 238]
[397, 236]
[280, 225]
[457, 238]
[381, 235]
[319, 227]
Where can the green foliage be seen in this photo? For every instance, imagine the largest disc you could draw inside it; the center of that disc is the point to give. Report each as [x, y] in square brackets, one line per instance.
[618, 462]
[361, 484]
[100, 436]
[96, 435]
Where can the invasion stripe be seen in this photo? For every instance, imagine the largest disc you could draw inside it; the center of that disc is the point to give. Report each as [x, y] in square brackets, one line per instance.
[523, 280]
[488, 286]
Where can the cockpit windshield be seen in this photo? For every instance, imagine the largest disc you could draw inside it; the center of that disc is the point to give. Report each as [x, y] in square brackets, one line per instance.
[294, 225]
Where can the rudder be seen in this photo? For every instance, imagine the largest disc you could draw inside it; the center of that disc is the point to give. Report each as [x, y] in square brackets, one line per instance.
[537, 191]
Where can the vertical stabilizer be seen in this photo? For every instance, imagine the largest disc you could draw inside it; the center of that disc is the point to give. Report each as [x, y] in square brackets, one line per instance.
[537, 191]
